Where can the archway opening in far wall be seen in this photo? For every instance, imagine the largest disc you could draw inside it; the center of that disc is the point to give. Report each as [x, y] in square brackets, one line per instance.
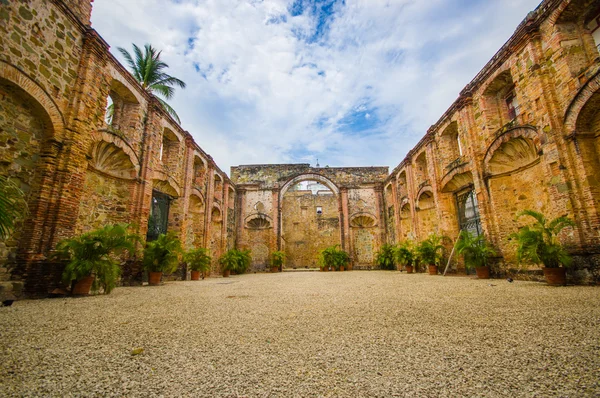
[310, 221]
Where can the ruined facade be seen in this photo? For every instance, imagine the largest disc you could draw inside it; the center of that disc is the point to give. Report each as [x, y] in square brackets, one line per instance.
[78, 171]
[525, 133]
[351, 216]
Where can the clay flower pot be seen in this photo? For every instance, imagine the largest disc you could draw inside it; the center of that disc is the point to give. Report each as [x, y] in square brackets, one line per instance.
[556, 276]
[226, 273]
[195, 275]
[482, 272]
[82, 287]
[154, 278]
[433, 270]
[274, 269]
[409, 269]
[342, 268]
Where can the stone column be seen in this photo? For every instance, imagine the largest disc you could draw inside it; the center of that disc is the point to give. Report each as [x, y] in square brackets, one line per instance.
[396, 204]
[276, 214]
[344, 221]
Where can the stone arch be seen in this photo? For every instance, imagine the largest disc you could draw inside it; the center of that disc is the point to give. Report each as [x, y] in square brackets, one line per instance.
[166, 186]
[308, 223]
[258, 221]
[421, 167]
[216, 215]
[108, 158]
[21, 80]
[363, 220]
[585, 102]
[449, 145]
[125, 105]
[196, 217]
[425, 199]
[515, 149]
[457, 179]
[308, 177]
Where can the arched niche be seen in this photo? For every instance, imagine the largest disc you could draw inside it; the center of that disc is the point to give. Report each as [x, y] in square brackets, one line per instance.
[421, 168]
[514, 150]
[456, 180]
[363, 220]
[122, 108]
[195, 226]
[107, 157]
[258, 222]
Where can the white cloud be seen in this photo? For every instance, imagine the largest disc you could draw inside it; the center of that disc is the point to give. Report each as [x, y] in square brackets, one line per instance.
[265, 96]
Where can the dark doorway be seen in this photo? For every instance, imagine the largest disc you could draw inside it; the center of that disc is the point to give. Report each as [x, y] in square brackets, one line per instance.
[468, 212]
[158, 221]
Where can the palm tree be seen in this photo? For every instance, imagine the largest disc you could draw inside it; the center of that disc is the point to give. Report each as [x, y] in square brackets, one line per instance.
[148, 69]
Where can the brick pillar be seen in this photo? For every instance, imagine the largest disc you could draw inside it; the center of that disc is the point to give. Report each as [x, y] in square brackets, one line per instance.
[276, 215]
[345, 222]
[396, 204]
[379, 211]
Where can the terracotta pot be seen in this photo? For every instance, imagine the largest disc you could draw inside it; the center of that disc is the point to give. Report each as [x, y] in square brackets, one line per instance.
[556, 276]
[409, 269]
[195, 275]
[154, 278]
[325, 269]
[482, 272]
[433, 270]
[226, 273]
[82, 287]
[342, 268]
[274, 269]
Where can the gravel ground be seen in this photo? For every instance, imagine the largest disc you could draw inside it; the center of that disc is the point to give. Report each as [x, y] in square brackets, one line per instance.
[308, 334]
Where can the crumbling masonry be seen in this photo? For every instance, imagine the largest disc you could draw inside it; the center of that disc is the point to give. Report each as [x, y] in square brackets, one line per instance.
[525, 133]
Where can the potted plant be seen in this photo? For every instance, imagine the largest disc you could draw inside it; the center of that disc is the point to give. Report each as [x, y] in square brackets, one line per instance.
[161, 256]
[92, 258]
[335, 258]
[385, 258]
[475, 250]
[538, 243]
[277, 260]
[235, 260]
[199, 261]
[431, 252]
[405, 255]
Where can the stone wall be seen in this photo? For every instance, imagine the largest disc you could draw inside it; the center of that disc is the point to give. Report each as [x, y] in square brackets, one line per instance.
[522, 135]
[78, 170]
[305, 232]
[271, 217]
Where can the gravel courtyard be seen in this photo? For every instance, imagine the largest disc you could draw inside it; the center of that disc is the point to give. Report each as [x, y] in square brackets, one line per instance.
[308, 334]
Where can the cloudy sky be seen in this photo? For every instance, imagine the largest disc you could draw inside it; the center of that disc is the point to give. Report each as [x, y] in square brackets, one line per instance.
[350, 82]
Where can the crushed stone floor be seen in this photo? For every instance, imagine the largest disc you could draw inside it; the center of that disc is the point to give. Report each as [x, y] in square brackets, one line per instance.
[359, 333]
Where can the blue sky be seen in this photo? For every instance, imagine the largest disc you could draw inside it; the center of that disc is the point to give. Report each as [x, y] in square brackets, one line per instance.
[350, 82]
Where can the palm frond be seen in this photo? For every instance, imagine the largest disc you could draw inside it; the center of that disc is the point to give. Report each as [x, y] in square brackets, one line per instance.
[169, 109]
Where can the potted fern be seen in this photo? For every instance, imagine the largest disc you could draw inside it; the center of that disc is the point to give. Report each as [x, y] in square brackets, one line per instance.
[161, 256]
[431, 252]
[334, 258]
[199, 261]
[277, 260]
[475, 250]
[92, 261]
[385, 258]
[538, 243]
[406, 256]
[235, 260]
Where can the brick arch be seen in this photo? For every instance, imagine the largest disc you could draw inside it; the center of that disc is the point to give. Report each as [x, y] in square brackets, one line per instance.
[523, 132]
[425, 190]
[308, 177]
[107, 136]
[576, 111]
[363, 220]
[24, 82]
[457, 179]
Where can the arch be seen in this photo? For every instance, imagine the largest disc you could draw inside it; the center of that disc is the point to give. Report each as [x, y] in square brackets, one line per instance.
[33, 89]
[112, 138]
[308, 177]
[586, 101]
[425, 200]
[108, 158]
[425, 188]
[518, 146]
[457, 179]
[258, 221]
[166, 187]
[197, 194]
[216, 215]
[363, 220]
